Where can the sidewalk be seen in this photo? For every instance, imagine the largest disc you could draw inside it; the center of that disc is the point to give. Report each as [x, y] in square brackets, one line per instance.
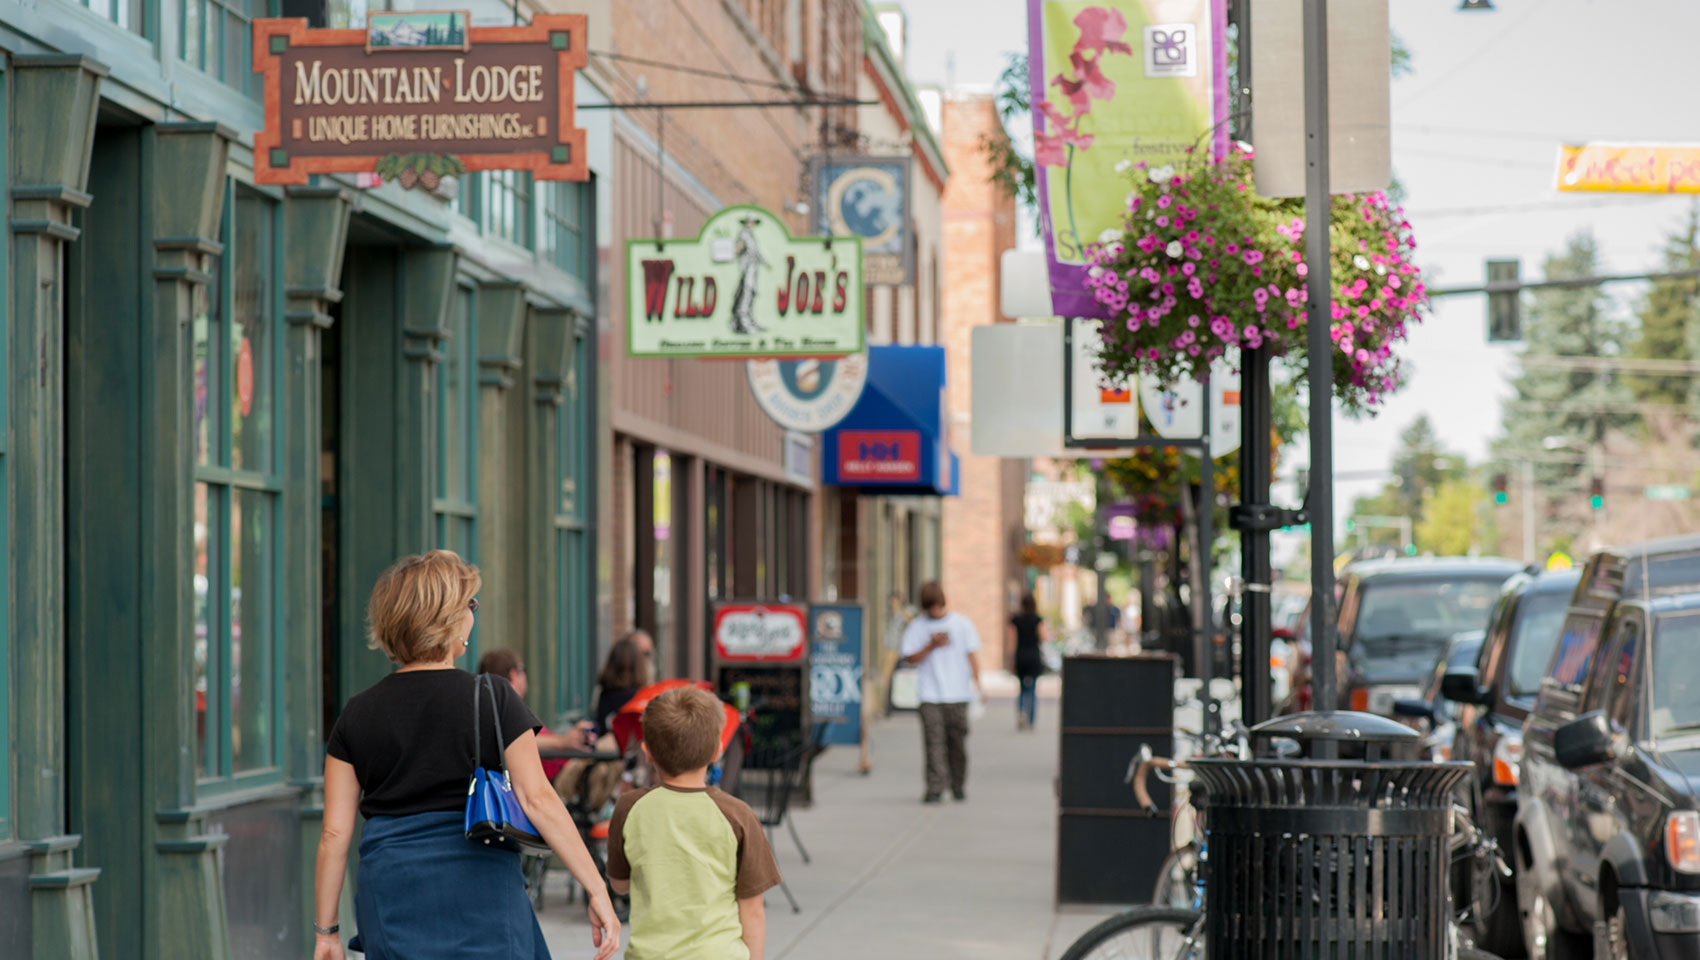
[894, 878]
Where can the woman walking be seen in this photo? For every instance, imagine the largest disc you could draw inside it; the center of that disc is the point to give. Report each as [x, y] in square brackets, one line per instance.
[402, 752]
[1026, 632]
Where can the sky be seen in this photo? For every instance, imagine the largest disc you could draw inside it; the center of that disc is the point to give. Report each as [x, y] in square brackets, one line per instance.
[1476, 129]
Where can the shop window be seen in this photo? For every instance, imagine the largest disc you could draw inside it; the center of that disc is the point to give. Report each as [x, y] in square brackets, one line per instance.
[217, 38]
[574, 555]
[568, 217]
[506, 205]
[128, 14]
[237, 546]
[714, 532]
[455, 499]
[5, 534]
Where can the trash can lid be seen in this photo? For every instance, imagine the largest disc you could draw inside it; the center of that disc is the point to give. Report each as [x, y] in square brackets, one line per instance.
[1340, 726]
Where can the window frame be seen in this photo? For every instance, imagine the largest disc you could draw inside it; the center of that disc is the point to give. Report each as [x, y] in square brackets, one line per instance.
[198, 59]
[573, 545]
[222, 481]
[5, 477]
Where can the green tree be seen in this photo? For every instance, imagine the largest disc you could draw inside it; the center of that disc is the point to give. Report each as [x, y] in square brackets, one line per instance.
[1420, 466]
[1452, 519]
[1667, 318]
[1556, 406]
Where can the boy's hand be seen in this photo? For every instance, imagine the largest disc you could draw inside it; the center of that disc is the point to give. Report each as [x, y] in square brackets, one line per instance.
[604, 926]
[941, 640]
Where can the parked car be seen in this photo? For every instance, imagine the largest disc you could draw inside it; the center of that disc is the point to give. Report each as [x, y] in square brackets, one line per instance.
[1607, 835]
[1395, 619]
[1433, 714]
[1495, 694]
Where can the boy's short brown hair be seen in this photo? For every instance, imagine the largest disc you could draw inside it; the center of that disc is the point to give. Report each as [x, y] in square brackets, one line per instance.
[682, 730]
[932, 596]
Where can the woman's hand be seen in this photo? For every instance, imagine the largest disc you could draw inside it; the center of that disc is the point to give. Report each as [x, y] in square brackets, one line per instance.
[604, 926]
[327, 947]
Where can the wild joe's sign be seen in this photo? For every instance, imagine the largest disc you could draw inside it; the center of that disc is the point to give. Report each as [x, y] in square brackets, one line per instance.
[415, 97]
[744, 288]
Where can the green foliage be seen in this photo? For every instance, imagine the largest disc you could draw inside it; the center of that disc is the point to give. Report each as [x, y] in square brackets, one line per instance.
[1012, 170]
[1451, 519]
[1667, 319]
[1422, 466]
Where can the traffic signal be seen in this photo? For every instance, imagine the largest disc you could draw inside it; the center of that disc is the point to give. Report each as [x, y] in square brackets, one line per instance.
[1597, 494]
[1351, 524]
[1410, 549]
[1505, 307]
[1499, 494]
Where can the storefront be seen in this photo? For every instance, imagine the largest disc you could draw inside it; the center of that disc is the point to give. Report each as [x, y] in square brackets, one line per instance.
[227, 406]
[885, 467]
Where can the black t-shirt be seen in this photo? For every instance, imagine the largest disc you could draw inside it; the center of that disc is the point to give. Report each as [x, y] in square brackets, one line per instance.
[409, 737]
[1029, 661]
[608, 703]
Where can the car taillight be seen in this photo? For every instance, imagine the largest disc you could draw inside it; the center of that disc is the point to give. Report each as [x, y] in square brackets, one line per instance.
[1508, 760]
[1360, 700]
[1682, 841]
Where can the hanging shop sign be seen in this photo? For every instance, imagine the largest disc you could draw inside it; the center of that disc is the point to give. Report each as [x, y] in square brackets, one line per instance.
[1629, 168]
[744, 288]
[417, 96]
[1115, 84]
[868, 197]
[808, 395]
[835, 670]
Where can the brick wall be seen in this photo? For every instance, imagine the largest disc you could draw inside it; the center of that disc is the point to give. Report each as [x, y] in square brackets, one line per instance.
[979, 525]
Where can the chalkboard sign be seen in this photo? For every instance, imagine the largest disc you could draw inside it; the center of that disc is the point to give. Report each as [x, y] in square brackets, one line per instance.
[761, 664]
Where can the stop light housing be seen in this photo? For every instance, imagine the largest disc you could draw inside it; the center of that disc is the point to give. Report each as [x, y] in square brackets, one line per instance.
[1597, 494]
[1499, 489]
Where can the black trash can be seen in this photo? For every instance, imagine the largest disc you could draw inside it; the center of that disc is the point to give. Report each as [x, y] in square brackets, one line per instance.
[1311, 859]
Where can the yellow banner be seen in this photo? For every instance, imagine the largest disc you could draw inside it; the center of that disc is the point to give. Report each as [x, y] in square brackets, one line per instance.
[1628, 168]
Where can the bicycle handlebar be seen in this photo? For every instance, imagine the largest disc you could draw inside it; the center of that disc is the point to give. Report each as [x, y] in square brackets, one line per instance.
[1140, 772]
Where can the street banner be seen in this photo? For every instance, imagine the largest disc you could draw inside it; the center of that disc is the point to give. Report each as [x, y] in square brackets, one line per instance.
[417, 96]
[1629, 168]
[835, 670]
[808, 395]
[1116, 83]
[868, 197]
[744, 288]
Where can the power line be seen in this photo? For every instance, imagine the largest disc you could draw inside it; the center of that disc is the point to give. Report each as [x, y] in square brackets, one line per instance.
[696, 71]
[1556, 205]
[1490, 44]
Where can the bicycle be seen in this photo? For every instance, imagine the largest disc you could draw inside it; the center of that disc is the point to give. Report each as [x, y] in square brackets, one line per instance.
[1167, 932]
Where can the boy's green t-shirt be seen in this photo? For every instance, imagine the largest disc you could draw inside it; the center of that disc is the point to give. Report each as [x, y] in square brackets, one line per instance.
[690, 855]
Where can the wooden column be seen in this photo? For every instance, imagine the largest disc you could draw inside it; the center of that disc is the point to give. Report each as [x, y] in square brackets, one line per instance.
[502, 480]
[315, 231]
[548, 354]
[53, 118]
[184, 166]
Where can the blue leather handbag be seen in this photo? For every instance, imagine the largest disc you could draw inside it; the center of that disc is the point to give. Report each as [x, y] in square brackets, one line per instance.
[493, 812]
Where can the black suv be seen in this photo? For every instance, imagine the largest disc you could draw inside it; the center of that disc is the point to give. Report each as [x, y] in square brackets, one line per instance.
[1496, 693]
[1607, 836]
[1396, 617]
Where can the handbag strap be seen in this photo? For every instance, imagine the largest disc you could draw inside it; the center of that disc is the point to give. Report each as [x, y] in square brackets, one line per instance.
[496, 721]
[477, 735]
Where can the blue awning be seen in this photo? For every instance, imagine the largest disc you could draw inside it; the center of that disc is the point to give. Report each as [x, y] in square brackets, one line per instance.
[894, 440]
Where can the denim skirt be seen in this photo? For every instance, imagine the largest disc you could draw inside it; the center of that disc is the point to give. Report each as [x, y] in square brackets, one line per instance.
[425, 892]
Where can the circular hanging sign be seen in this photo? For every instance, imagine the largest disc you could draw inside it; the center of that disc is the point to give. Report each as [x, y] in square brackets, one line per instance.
[808, 395]
[245, 377]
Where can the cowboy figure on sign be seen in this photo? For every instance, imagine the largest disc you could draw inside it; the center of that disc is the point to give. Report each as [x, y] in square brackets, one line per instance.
[749, 263]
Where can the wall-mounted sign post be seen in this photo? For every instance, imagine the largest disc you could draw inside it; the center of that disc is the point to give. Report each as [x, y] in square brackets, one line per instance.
[744, 288]
[417, 96]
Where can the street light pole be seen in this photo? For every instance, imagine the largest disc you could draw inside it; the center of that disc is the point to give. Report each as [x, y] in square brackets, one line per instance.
[1528, 511]
[1318, 201]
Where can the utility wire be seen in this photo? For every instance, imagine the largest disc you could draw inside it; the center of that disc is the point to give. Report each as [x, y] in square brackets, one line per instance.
[1491, 44]
[1555, 205]
[696, 71]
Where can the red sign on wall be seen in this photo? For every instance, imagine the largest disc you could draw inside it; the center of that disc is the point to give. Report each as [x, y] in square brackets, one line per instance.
[879, 456]
[759, 633]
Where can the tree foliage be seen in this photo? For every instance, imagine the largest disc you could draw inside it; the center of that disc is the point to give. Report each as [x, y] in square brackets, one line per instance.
[1667, 319]
[1452, 523]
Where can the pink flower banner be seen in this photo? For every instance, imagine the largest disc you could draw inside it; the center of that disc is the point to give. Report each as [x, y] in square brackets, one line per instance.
[1118, 86]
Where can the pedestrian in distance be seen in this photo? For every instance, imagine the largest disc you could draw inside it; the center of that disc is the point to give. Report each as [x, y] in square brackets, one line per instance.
[694, 858]
[402, 753]
[942, 645]
[1026, 632]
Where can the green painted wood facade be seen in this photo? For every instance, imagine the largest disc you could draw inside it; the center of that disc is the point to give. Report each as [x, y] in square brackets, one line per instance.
[224, 409]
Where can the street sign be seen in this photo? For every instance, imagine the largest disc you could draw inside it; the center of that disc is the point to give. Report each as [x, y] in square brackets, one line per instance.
[1629, 168]
[1360, 157]
[1177, 412]
[1097, 411]
[1018, 391]
[1667, 492]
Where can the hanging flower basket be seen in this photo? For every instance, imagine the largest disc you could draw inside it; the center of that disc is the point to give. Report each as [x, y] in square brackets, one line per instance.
[1205, 266]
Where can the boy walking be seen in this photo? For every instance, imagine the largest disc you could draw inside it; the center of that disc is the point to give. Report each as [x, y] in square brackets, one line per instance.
[694, 859]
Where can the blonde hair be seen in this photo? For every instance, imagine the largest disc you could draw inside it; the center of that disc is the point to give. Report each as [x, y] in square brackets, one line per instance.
[417, 605]
[682, 730]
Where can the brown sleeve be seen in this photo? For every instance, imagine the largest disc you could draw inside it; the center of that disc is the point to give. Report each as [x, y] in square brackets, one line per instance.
[757, 872]
[618, 867]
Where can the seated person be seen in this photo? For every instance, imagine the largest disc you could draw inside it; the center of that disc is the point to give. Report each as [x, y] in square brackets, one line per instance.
[627, 670]
[502, 662]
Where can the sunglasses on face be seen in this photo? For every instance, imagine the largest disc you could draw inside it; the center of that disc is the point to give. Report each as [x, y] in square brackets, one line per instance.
[472, 604]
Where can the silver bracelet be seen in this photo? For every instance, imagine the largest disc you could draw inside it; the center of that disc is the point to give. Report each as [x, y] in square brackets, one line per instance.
[326, 931]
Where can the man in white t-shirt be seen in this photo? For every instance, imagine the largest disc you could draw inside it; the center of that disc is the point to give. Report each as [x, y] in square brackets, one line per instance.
[942, 646]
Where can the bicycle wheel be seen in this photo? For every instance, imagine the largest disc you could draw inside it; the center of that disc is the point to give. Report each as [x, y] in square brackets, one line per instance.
[1143, 933]
[1177, 879]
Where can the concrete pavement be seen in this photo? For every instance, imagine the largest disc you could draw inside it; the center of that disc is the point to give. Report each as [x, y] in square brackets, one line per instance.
[894, 878]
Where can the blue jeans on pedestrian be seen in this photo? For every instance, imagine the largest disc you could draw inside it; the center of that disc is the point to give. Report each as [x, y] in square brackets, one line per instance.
[1028, 702]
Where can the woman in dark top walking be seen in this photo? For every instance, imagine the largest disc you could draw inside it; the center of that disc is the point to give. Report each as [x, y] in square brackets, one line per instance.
[402, 752]
[1026, 632]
